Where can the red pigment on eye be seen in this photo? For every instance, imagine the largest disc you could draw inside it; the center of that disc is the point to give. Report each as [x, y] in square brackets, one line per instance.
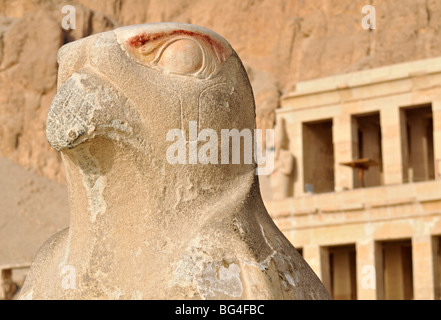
[138, 40]
[141, 39]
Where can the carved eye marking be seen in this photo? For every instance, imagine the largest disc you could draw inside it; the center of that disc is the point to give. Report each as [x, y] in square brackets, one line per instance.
[179, 52]
[182, 56]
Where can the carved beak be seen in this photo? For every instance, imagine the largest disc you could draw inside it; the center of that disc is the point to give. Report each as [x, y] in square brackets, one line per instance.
[86, 106]
[70, 116]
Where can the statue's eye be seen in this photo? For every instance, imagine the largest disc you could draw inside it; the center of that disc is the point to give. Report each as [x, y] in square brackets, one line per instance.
[182, 56]
[180, 52]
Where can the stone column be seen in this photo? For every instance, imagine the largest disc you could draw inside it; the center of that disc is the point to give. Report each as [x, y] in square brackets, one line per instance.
[391, 145]
[366, 271]
[423, 268]
[281, 178]
[312, 255]
[318, 259]
[343, 145]
[325, 269]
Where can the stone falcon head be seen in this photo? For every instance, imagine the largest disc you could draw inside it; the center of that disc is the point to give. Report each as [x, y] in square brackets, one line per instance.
[168, 73]
[142, 227]
[135, 84]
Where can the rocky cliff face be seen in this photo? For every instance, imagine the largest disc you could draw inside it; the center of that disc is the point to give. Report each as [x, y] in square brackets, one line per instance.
[281, 41]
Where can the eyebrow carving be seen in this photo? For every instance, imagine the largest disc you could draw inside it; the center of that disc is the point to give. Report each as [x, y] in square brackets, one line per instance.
[147, 48]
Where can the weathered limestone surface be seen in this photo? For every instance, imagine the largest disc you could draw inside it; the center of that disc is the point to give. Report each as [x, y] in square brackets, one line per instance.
[141, 227]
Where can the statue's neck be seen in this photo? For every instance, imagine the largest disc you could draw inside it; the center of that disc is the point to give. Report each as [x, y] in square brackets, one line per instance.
[118, 191]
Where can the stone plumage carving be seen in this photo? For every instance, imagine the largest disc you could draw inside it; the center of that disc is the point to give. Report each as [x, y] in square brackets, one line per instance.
[140, 227]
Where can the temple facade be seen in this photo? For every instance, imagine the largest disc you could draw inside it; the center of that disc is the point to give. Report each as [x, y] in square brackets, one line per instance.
[362, 202]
